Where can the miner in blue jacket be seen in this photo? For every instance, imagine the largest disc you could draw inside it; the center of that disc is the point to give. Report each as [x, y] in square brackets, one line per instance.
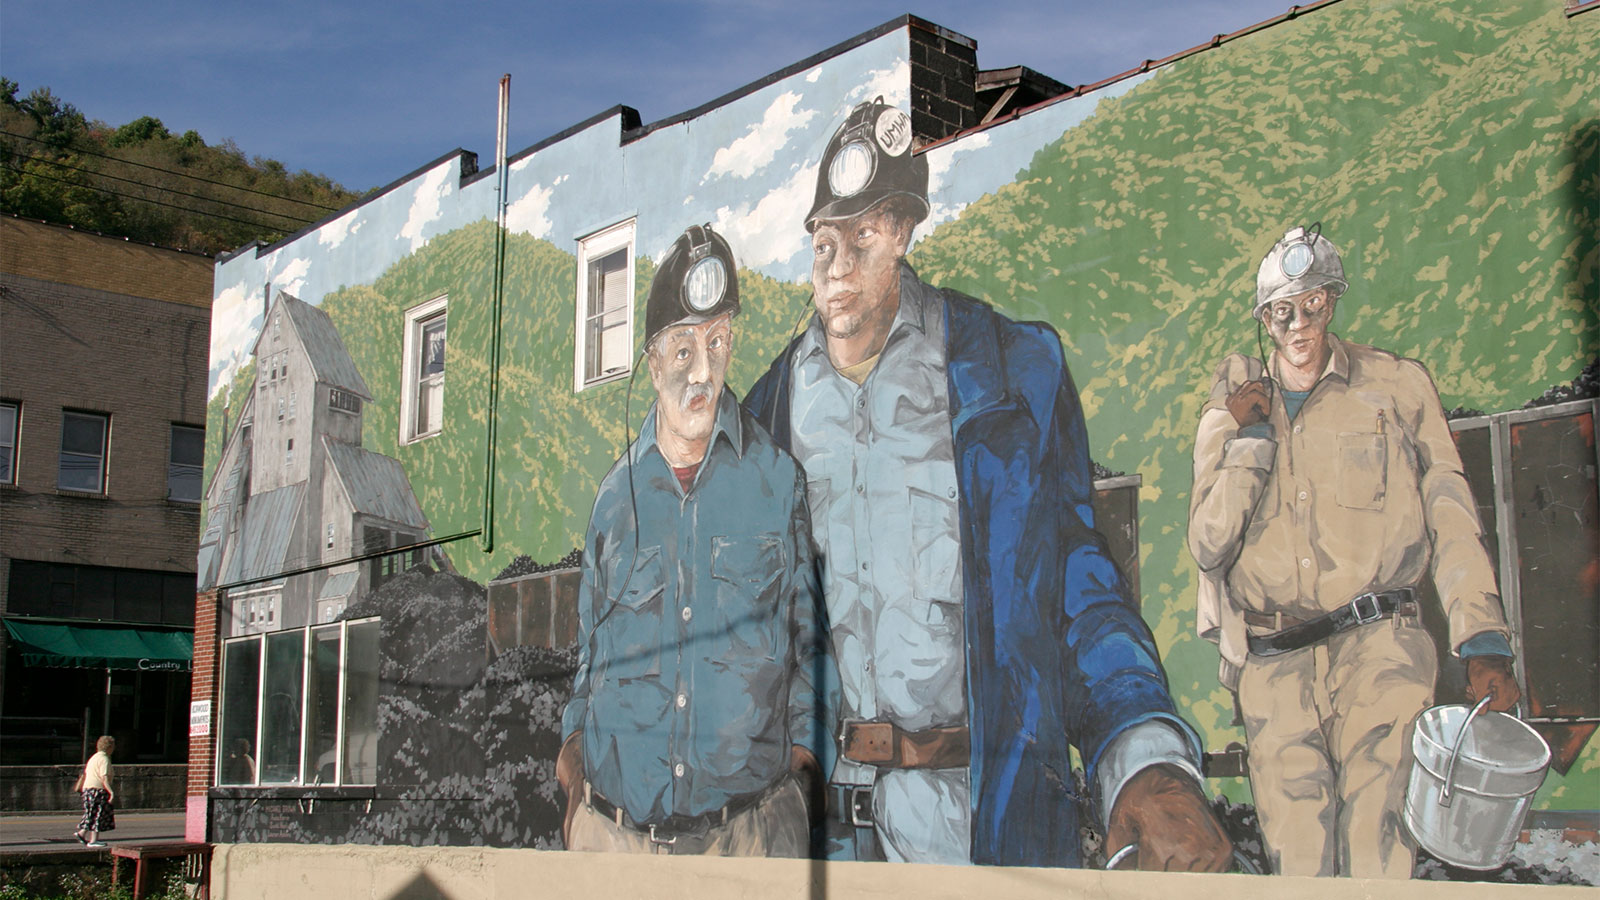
[978, 623]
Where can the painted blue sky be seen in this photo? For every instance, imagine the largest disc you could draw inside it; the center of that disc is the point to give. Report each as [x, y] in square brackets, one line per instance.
[365, 92]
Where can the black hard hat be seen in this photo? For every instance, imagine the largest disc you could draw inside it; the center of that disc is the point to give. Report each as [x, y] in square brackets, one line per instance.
[869, 160]
[696, 282]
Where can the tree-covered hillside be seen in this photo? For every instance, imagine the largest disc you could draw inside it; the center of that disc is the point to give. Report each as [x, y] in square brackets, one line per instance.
[142, 182]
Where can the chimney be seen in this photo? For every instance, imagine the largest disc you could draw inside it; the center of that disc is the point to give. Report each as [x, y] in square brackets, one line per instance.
[944, 73]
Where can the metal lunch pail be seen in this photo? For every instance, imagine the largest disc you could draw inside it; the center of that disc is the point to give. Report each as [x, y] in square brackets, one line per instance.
[1472, 783]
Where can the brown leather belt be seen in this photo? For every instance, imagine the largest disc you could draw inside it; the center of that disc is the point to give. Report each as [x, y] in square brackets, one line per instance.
[888, 746]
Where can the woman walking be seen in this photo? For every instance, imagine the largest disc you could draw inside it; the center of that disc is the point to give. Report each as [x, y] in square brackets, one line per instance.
[95, 782]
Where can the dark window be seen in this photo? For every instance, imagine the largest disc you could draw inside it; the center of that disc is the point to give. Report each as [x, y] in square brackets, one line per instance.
[96, 592]
[380, 569]
[344, 401]
[185, 463]
[83, 452]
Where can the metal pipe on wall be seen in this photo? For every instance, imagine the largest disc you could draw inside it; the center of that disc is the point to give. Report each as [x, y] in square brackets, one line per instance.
[491, 432]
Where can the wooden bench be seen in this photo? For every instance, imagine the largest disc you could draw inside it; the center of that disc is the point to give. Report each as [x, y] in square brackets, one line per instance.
[196, 863]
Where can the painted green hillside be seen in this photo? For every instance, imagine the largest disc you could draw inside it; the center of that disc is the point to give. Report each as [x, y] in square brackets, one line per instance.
[1450, 151]
[554, 445]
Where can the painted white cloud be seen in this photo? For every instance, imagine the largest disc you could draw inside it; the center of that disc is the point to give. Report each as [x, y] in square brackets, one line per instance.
[892, 83]
[527, 213]
[813, 75]
[235, 316]
[426, 205]
[752, 152]
[774, 230]
[292, 279]
[530, 212]
[334, 233]
[941, 160]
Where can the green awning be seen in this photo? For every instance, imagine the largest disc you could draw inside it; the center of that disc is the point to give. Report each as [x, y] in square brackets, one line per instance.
[93, 645]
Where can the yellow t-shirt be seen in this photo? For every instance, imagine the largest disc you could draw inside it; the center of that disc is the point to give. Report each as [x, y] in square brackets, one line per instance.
[97, 772]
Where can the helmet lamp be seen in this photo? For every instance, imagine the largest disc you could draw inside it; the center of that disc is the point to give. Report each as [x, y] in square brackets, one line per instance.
[705, 284]
[851, 169]
[1297, 259]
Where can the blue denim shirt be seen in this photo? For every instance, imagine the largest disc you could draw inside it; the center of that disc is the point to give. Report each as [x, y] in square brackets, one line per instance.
[702, 645]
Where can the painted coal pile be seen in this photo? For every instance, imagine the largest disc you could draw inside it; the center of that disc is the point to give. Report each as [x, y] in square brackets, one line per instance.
[432, 645]
[1100, 472]
[1244, 829]
[525, 565]
[525, 690]
[1515, 871]
[1585, 386]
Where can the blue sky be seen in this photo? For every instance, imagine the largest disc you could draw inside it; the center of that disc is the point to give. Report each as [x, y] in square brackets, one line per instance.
[365, 92]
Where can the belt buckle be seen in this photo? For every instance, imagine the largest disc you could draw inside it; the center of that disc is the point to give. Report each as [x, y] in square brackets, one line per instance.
[661, 841]
[869, 742]
[1364, 618]
[858, 804]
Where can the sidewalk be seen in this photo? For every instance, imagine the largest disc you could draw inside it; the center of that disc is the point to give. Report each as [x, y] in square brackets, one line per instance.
[52, 834]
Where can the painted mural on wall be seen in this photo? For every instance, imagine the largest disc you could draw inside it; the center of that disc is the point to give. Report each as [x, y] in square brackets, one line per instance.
[834, 574]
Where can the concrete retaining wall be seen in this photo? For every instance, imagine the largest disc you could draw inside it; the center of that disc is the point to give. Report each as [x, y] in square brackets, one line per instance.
[292, 872]
[49, 788]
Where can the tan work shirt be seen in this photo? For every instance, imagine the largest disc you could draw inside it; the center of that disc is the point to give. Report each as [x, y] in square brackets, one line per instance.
[1362, 491]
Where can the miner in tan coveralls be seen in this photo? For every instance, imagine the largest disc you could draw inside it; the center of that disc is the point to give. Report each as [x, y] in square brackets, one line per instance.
[1326, 487]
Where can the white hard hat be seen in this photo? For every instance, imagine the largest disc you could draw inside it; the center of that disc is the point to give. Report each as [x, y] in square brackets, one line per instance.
[1300, 261]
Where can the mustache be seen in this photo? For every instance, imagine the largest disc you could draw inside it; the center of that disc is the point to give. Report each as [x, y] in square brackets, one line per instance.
[694, 392]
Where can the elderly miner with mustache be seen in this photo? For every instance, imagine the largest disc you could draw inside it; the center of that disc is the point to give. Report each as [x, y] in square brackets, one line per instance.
[699, 721]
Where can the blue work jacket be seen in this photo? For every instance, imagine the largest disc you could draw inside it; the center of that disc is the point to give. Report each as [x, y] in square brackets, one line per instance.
[1056, 650]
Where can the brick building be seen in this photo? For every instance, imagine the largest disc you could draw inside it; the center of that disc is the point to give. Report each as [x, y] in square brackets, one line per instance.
[102, 406]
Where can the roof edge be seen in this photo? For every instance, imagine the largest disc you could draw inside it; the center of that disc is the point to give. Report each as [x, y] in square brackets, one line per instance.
[1148, 65]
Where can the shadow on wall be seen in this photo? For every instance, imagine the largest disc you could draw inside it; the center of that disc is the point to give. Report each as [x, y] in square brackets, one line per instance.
[422, 887]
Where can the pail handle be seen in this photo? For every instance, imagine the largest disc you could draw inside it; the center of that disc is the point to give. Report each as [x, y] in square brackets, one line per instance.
[1461, 737]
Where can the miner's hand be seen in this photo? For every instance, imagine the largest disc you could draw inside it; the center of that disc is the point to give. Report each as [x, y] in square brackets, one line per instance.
[1251, 402]
[569, 774]
[1488, 675]
[808, 774]
[1164, 812]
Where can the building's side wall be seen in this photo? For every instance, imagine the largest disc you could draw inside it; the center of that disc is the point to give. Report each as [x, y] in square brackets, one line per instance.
[103, 325]
[138, 359]
[1130, 220]
[68, 256]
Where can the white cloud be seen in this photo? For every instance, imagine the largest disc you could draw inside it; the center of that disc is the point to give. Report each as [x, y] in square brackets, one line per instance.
[893, 84]
[813, 75]
[334, 233]
[751, 153]
[527, 213]
[293, 277]
[941, 160]
[425, 206]
[774, 231]
[235, 318]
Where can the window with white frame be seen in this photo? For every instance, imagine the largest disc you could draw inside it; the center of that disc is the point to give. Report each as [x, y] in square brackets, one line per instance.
[605, 306]
[83, 451]
[300, 707]
[185, 460]
[422, 372]
[10, 427]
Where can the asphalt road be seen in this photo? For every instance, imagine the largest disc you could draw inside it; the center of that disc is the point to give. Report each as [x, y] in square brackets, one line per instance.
[35, 833]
